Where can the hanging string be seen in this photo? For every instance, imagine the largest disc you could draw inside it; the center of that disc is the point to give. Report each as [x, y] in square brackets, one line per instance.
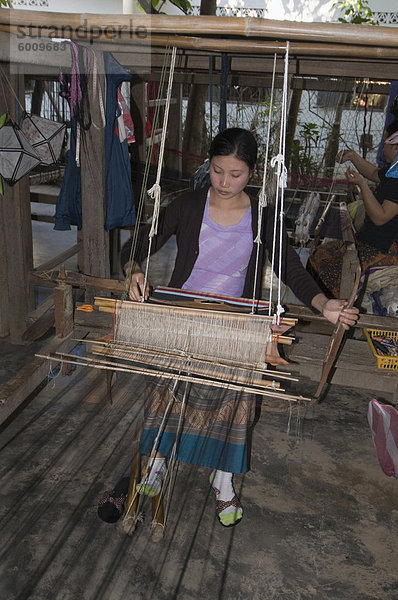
[211, 69]
[223, 91]
[97, 91]
[262, 200]
[14, 93]
[281, 172]
[155, 191]
[282, 183]
[143, 192]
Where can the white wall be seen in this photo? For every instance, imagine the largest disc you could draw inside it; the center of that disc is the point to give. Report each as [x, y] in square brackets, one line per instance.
[92, 6]
[292, 10]
[300, 10]
[76, 6]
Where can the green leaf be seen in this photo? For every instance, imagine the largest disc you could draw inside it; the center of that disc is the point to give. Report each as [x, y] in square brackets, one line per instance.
[183, 5]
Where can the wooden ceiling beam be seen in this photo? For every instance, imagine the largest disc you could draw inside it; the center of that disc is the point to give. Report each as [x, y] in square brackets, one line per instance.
[89, 27]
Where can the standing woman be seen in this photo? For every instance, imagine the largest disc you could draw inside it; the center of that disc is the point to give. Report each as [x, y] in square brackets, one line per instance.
[215, 230]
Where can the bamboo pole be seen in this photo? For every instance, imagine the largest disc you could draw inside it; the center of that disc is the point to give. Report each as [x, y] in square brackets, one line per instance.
[256, 368]
[271, 47]
[129, 43]
[194, 366]
[72, 359]
[217, 311]
[80, 24]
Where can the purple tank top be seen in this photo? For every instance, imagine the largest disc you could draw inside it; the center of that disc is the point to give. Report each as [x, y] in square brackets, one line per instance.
[224, 254]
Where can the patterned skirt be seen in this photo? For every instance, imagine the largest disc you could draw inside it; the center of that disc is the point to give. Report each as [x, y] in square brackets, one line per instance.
[326, 263]
[212, 429]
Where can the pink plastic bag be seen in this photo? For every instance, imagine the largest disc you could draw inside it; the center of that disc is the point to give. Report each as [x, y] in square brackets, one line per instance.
[383, 421]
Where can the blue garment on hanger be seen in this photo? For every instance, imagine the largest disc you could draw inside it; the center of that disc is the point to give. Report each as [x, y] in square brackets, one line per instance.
[119, 199]
[69, 203]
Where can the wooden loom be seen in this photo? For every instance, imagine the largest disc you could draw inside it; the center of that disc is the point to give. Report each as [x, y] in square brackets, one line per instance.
[203, 340]
[213, 342]
[195, 338]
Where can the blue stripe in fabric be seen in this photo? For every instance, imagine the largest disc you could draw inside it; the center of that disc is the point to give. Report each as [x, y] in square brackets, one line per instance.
[198, 450]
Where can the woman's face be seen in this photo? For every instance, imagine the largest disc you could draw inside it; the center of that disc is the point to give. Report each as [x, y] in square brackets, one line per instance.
[390, 151]
[229, 175]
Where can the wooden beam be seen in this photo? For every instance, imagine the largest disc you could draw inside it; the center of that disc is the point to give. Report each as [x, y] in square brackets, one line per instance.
[43, 198]
[95, 237]
[42, 218]
[59, 259]
[117, 27]
[17, 227]
[63, 310]
[142, 54]
[4, 321]
[41, 320]
[302, 313]
[20, 386]
[83, 281]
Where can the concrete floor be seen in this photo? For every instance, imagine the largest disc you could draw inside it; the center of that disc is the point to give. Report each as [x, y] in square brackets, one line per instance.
[320, 515]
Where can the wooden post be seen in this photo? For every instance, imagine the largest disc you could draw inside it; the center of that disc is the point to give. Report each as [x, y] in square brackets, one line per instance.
[16, 233]
[63, 313]
[194, 130]
[173, 160]
[63, 306]
[138, 114]
[95, 238]
[4, 323]
[138, 149]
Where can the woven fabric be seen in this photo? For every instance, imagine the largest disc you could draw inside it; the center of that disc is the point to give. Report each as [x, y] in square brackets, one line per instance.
[215, 425]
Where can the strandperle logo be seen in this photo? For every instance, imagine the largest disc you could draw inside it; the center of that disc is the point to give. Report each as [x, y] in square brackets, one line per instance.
[83, 32]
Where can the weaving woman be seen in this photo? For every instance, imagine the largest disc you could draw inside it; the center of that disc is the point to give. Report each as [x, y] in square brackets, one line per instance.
[377, 238]
[215, 230]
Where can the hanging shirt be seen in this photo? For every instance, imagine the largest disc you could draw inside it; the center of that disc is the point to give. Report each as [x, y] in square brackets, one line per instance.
[224, 254]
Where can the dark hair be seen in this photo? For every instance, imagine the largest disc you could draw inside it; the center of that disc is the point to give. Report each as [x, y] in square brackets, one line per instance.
[391, 127]
[239, 142]
[394, 107]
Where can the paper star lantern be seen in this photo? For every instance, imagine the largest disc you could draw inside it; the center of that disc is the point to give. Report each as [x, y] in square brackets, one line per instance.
[17, 157]
[45, 136]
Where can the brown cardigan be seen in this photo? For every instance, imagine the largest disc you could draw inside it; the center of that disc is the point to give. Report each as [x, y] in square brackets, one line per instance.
[183, 217]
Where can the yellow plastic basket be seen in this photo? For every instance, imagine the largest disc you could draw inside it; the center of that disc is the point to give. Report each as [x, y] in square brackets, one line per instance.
[383, 362]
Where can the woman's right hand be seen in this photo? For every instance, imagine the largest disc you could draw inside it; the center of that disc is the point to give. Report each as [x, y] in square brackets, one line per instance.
[344, 155]
[136, 289]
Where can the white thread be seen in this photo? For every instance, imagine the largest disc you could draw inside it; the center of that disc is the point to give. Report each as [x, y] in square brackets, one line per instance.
[262, 200]
[240, 338]
[155, 190]
[282, 178]
[100, 99]
[77, 154]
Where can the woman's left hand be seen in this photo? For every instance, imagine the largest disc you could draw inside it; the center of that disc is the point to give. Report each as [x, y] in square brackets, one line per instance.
[353, 176]
[337, 311]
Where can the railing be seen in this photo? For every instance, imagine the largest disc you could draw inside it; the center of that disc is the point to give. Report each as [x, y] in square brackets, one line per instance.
[37, 3]
[382, 18]
[229, 11]
[386, 18]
